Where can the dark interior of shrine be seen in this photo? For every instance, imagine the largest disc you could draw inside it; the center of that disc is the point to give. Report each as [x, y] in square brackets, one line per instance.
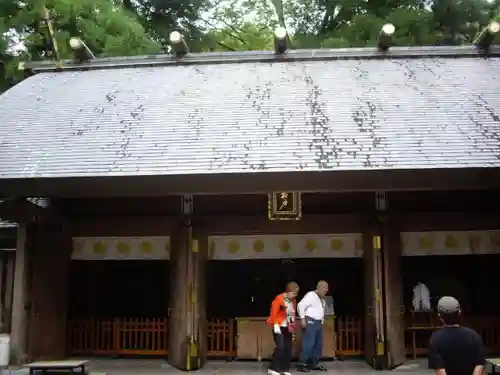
[133, 288]
[140, 288]
[469, 278]
[112, 303]
[119, 288]
[252, 284]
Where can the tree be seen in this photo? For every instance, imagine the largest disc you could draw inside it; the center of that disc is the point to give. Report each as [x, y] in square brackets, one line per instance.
[458, 21]
[161, 17]
[106, 27]
[246, 37]
[357, 23]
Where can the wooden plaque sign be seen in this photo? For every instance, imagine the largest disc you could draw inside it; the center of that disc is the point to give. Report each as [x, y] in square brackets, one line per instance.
[284, 205]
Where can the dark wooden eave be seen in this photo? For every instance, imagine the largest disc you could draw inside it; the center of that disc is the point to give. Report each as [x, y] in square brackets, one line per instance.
[21, 210]
[259, 182]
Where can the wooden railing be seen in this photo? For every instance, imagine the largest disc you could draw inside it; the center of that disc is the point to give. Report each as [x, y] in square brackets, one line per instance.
[419, 329]
[489, 329]
[221, 338]
[149, 336]
[350, 337]
[132, 336]
[136, 336]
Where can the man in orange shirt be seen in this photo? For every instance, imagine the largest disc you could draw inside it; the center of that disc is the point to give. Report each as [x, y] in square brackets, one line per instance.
[282, 319]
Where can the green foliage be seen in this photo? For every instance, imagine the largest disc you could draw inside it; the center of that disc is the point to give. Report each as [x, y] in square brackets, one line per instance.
[107, 28]
[161, 17]
[247, 37]
[357, 23]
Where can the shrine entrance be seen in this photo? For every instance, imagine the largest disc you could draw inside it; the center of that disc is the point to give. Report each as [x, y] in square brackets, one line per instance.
[119, 296]
[461, 264]
[247, 272]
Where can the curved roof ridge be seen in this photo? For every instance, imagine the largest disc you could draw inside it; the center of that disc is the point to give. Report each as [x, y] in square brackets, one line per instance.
[205, 58]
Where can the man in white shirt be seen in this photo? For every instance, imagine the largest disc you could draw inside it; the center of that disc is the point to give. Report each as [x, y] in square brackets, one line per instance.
[311, 311]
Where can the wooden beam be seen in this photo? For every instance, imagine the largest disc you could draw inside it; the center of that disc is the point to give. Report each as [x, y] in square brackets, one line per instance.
[258, 183]
[21, 210]
[425, 221]
[8, 243]
[231, 224]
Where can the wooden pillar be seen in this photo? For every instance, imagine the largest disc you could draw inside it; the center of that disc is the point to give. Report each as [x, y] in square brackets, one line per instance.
[384, 325]
[51, 260]
[374, 308]
[9, 289]
[20, 298]
[3, 269]
[188, 320]
[393, 293]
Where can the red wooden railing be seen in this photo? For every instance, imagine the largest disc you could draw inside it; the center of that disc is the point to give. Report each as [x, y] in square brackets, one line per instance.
[140, 336]
[132, 336]
[221, 338]
[350, 338]
[149, 336]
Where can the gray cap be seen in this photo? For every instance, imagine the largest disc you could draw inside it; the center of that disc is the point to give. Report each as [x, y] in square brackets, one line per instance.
[448, 305]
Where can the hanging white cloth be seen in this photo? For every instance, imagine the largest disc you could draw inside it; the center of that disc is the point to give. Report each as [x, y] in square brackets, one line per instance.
[421, 298]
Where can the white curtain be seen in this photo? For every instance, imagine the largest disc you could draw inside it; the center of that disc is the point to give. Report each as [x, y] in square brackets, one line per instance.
[421, 298]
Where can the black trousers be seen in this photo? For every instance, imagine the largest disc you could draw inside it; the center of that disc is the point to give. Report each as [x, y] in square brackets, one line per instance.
[283, 352]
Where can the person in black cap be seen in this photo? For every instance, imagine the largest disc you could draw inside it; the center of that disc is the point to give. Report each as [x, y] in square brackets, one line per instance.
[455, 350]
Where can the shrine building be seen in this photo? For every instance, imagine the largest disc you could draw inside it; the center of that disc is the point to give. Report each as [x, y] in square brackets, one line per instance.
[172, 184]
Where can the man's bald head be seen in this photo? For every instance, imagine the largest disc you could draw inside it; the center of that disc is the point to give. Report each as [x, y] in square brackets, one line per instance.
[322, 288]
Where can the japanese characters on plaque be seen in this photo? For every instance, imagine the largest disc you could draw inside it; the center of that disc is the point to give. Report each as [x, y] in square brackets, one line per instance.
[285, 205]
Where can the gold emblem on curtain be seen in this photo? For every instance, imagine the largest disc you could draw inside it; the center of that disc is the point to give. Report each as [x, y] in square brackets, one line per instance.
[123, 247]
[311, 245]
[336, 244]
[258, 246]
[450, 242]
[99, 248]
[285, 246]
[233, 246]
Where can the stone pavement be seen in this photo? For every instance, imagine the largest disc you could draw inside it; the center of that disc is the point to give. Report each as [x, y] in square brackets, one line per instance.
[160, 367]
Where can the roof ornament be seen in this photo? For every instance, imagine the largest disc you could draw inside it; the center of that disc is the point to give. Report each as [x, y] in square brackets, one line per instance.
[280, 40]
[82, 52]
[484, 40]
[178, 44]
[385, 37]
